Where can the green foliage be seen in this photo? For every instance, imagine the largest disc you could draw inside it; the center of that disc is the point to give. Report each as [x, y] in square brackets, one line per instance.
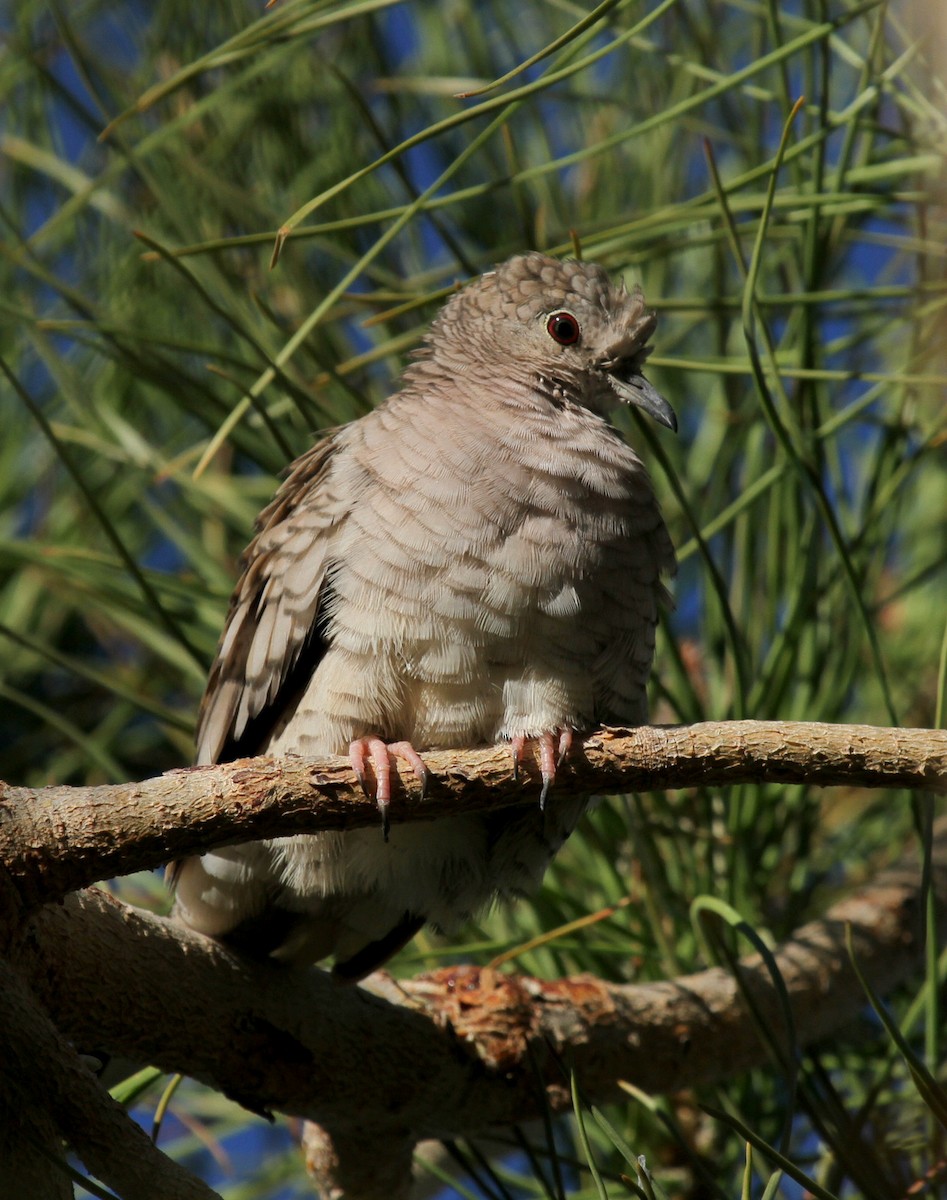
[159, 374]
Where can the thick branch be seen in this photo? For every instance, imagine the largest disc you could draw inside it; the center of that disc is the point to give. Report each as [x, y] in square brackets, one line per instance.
[42, 1076]
[462, 1055]
[55, 840]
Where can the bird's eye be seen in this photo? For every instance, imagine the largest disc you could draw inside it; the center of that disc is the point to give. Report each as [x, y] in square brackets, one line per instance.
[563, 328]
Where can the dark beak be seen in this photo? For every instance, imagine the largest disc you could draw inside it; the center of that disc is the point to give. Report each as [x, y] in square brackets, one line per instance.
[635, 389]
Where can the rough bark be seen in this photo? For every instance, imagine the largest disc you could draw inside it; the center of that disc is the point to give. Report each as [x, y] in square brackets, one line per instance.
[55, 840]
[450, 1053]
[358, 1165]
[459, 1049]
[50, 1095]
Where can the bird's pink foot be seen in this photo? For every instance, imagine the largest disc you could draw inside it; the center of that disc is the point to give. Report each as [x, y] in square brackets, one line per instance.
[553, 751]
[381, 753]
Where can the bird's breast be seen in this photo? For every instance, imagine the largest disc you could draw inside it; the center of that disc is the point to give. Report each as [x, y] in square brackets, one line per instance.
[488, 590]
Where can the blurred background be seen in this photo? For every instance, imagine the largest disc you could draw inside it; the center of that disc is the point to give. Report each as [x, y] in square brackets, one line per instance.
[160, 370]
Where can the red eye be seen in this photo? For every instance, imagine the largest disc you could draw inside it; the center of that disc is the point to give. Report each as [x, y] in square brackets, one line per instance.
[563, 328]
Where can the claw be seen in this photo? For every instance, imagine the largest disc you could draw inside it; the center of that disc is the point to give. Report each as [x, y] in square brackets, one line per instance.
[357, 760]
[516, 745]
[381, 755]
[553, 752]
[407, 753]
[547, 763]
[565, 745]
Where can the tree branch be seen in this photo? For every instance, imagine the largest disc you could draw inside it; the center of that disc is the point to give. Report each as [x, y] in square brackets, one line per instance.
[43, 1080]
[55, 840]
[463, 1048]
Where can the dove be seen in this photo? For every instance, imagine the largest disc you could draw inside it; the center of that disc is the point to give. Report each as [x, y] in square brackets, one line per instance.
[481, 558]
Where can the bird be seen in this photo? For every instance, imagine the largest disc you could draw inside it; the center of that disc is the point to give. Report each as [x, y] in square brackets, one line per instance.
[481, 558]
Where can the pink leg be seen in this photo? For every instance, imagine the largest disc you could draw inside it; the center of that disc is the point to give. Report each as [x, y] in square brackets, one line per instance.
[381, 754]
[553, 752]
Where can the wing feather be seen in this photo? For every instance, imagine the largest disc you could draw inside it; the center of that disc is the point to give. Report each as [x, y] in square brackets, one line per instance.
[273, 637]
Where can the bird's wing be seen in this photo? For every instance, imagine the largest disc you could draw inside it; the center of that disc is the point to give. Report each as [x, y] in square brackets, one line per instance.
[273, 638]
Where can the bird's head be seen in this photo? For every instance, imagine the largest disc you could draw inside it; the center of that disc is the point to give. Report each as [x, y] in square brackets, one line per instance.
[563, 323]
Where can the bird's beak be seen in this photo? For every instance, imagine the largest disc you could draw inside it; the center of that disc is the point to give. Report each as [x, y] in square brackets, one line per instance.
[633, 388]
